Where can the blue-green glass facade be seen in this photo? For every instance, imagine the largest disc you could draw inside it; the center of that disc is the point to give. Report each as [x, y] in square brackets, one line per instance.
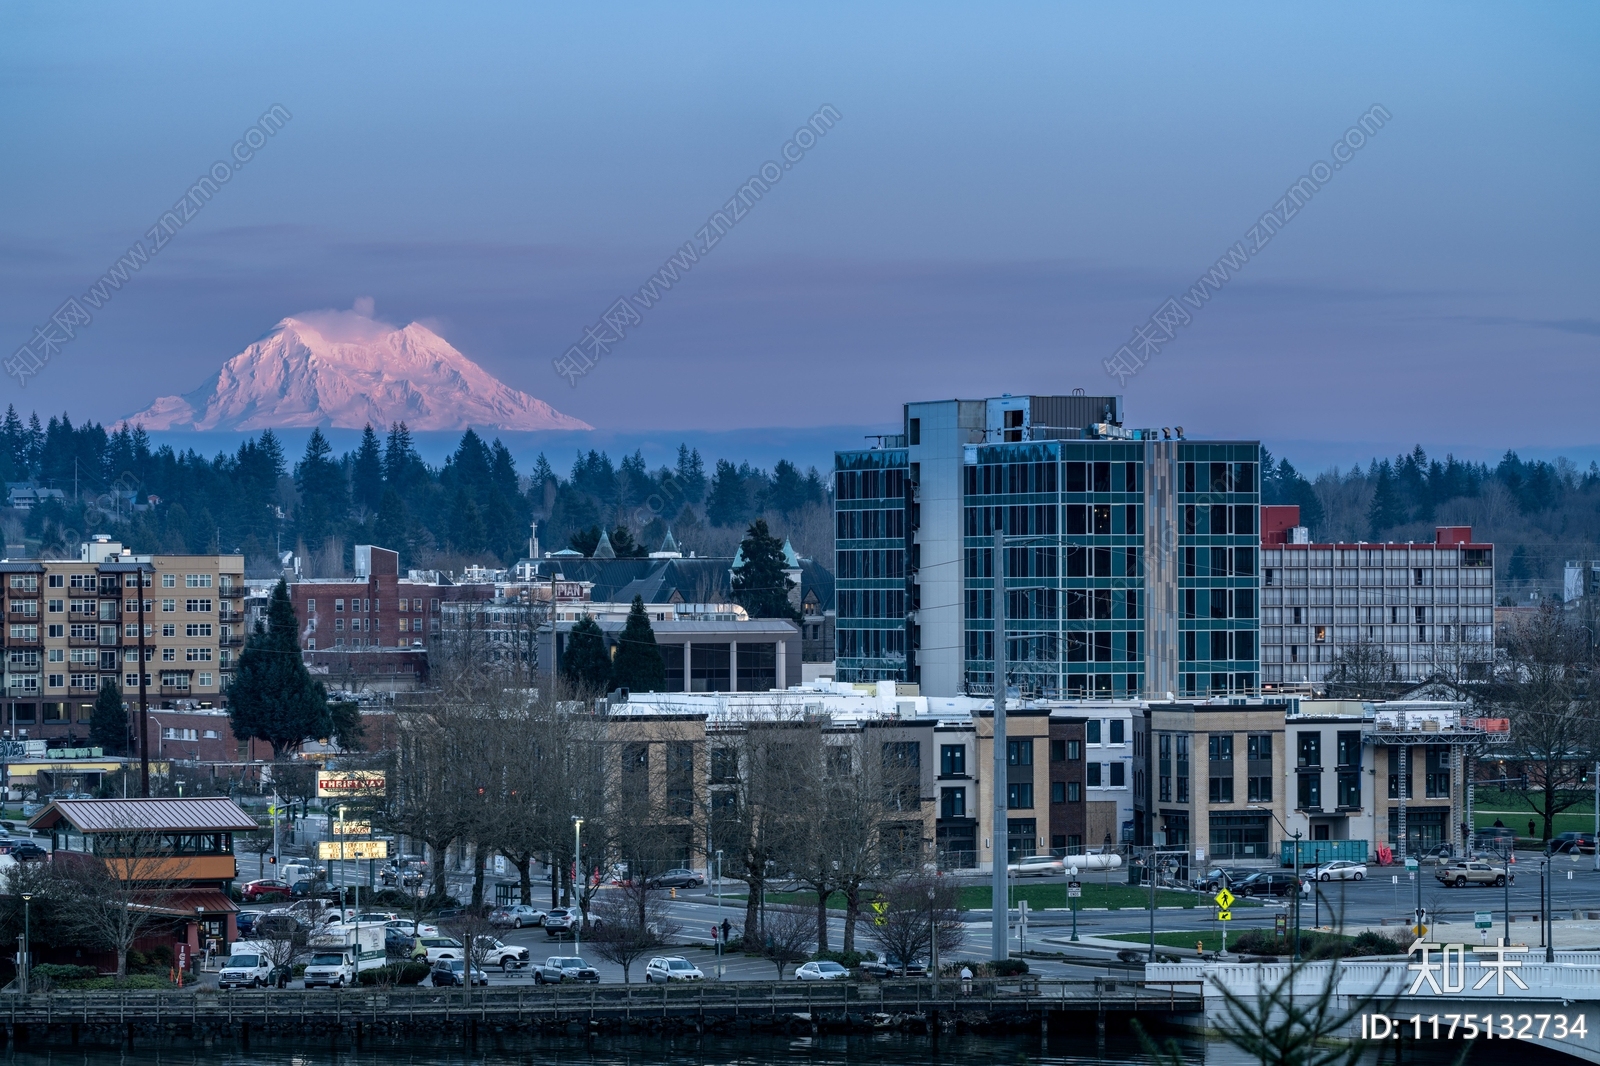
[1218, 540]
[870, 565]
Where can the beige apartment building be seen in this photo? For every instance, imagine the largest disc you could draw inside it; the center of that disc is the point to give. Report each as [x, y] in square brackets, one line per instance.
[72, 623]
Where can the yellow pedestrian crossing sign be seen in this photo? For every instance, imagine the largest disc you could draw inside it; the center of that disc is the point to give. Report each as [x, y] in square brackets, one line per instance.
[880, 909]
[1224, 916]
[1224, 899]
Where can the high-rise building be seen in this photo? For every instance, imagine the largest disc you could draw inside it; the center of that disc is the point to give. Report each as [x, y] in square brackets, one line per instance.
[1130, 563]
[1373, 613]
[72, 623]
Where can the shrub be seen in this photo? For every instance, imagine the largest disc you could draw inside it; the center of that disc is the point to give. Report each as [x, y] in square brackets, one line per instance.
[58, 972]
[395, 973]
[1009, 967]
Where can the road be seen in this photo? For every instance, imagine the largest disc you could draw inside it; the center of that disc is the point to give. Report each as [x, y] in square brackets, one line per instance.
[1386, 895]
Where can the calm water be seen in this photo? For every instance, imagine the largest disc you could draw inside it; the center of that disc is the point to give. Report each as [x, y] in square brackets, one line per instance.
[878, 1050]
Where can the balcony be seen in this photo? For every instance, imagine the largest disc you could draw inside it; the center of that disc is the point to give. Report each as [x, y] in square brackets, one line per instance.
[80, 641]
[225, 615]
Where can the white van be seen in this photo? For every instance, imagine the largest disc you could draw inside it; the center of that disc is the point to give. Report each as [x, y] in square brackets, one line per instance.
[245, 968]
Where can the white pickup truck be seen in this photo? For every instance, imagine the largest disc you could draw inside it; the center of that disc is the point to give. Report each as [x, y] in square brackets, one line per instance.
[340, 952]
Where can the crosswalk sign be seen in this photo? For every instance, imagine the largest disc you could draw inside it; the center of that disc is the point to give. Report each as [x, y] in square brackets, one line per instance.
[1224, 899]
[880, 910]
[1224, 916]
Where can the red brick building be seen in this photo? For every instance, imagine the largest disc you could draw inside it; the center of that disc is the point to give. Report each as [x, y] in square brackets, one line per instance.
[375, 609]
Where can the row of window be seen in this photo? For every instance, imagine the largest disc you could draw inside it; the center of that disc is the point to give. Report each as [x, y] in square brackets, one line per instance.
[366, 606]
[91, 682]
[1049, 604]
[868, 525]
[1350, 597]
[1402, 556]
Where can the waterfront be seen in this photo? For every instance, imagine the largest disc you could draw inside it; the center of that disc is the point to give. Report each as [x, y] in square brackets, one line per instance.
[1067, 1049]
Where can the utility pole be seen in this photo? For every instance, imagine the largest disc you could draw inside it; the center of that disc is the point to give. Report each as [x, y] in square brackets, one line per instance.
[144, 702]
[1000, 947]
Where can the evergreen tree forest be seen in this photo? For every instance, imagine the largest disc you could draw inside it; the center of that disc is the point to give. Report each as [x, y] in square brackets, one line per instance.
[476, 507]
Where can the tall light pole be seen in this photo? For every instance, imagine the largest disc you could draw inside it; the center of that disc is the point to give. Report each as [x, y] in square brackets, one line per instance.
[933, 935]
[27, 943]
[577, 882]
[1000, 906]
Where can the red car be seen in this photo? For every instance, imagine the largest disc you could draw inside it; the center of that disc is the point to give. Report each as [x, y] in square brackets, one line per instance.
[264, 889]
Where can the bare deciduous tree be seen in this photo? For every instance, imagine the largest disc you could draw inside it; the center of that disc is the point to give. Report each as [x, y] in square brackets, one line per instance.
[633, 922]
[787, 937]
[122, 891]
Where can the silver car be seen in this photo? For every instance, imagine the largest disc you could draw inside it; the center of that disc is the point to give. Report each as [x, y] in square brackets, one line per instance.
[1339, 870]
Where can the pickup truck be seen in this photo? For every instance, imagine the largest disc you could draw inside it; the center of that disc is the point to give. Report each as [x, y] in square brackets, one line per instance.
[245, 969]
[560, 968]
[506, 956]
[1463, 872]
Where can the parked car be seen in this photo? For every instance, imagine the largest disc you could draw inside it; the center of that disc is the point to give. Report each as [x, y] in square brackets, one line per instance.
[821, 971]
[434, 948]
[452, 973]
[1214, 877]
[1464, 872]
[398, 941]
[1568, 843]
[245, 921]
[1338, 870]
[375, 918]
[1264, 883]
[557, 919]
[671, 968]
[516, 916]
[1037, 866]
[27, 852]
[506, 956]
[411, 928]
[266, 888]
[889, 966]
[679, 878]
[560, 968]
[449, 914]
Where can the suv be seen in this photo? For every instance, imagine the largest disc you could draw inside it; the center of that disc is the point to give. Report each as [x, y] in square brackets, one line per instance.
[452, 973]
[506, 956]
[679, 878]
[434, 948]
[671, 968]
[1214, 877]
[1265, 883]
[1037, 866]
[560, 968]
[1463, 872]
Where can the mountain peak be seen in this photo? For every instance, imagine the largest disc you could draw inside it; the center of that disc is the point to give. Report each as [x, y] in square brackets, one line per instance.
[347, 369]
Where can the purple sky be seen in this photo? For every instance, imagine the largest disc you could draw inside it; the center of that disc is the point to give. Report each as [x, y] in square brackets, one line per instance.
[1008, 194]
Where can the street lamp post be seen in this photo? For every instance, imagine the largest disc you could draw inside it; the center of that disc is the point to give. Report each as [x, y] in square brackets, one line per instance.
[577, 884]
[716, 929]
[27, 942]
[1298, 888]
[933, 936]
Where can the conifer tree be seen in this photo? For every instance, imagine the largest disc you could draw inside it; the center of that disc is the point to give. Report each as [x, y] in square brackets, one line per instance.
[366, 473]
[274, 697]
[760, 585]
[108, 728]
[585, 665]
[638, 666]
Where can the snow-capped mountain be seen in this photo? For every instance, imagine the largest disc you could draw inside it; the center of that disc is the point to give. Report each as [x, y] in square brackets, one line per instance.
[346, 369]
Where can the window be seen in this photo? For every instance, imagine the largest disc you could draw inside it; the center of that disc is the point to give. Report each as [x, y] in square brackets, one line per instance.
[1219, 749]
[1058, 792]
[197, 606]
[1093, 774]
[1118, 770]
[1074, 792]
[1019, 753]
[58, 630]
[174, 679]
[57, 681]
[1310, 789]
[953, 803]
[1058, 751]
[169, 606]
[169, 655]
[1437, 783]
[1092, 730]
[1117, 725]
[169, 629]
[311, 607]
[1310, 749]
[338, 605]
[1350, 790]
[53, 606]
[1019, 796]
[952, 760]
[197, 655]
[1074, 750]
[197, 581]
[1349, 750]
[31, 583]
[197, 629]
[169, 581]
